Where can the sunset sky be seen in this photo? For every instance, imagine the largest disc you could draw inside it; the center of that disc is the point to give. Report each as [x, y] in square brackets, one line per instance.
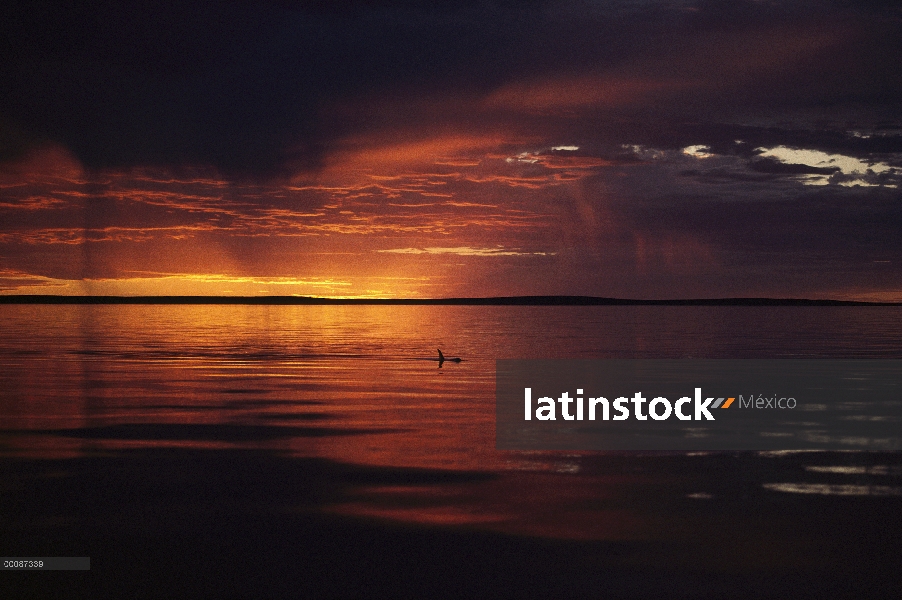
[635, 149]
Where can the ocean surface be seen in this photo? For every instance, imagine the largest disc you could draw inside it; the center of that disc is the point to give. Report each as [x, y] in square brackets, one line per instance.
[321, 451]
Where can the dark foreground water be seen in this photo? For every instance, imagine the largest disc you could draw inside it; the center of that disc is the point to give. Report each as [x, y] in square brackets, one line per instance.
[319, 451]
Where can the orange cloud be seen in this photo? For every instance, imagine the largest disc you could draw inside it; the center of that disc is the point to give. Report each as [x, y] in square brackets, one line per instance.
[379, 157]
[45, 162]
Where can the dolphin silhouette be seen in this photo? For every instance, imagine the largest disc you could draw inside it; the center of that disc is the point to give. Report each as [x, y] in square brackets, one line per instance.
[442, 359]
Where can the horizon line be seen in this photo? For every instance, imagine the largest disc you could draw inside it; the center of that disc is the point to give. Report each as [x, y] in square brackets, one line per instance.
[551, 300]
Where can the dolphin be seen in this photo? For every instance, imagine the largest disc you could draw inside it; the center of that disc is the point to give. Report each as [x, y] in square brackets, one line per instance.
[442, 359]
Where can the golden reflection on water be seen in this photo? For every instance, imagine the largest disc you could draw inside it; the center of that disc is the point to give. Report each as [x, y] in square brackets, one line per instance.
[345, 370]
[361, 385]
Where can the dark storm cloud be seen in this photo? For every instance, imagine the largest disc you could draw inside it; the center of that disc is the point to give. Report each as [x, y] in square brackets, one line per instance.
[234, 84]
[744, 140]
[770, 165]
[769, 227]
[249, 87]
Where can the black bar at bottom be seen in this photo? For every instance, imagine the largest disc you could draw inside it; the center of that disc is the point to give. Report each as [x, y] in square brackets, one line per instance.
[45, 563]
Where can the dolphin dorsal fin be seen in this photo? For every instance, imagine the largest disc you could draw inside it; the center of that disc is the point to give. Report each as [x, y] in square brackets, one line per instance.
[441, 356]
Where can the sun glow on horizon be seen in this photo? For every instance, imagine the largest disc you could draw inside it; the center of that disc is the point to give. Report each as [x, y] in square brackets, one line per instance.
[185, 284]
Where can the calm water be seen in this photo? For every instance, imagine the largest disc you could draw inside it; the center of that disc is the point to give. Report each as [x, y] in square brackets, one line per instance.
[219, 407]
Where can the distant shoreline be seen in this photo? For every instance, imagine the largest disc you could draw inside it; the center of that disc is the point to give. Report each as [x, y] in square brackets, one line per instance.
[499, 301]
